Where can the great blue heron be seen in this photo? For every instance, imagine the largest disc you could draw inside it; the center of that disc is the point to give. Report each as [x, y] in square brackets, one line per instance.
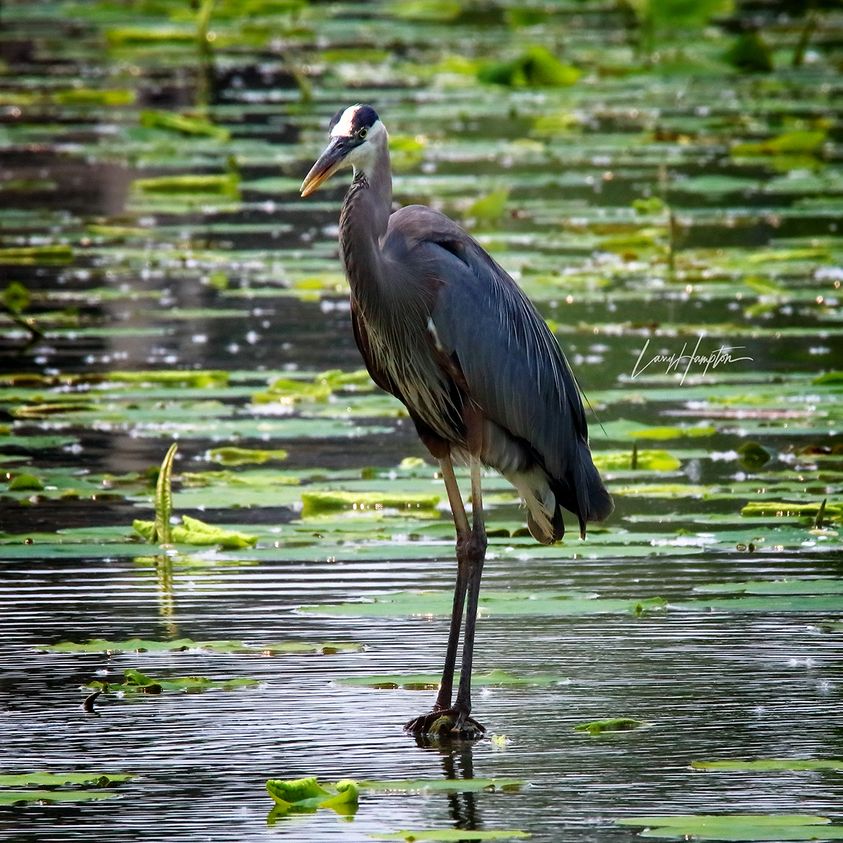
[444, 329]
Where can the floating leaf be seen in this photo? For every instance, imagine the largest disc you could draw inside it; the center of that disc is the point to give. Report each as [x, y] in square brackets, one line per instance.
[789, 509]
[779, 587]
[612, 724]
[141, 645]
[645, 461]
[737, 827]
[765, 765]
[442, 785]
[297, 796]
[21, 797]
[317, 503]
[456, 835]
[40, 779]
[536, 67]
[439, 603]
[195, 532]
[753, 456]
[430, 681]
[135, 682]
[183, 124]
[231, 455]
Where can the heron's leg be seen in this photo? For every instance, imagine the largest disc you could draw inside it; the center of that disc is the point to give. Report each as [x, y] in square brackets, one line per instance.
[443, 698]
[475, 556]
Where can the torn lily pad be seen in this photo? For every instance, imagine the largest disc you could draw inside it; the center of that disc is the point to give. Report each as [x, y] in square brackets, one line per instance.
[233, 456]
[195, 532]
[304, 796]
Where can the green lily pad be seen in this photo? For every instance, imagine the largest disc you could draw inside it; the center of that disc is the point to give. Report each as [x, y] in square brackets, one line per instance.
[232, 455]
[296, 796]
[430, 681]
[318, 503]
[60, 779]
[452, 834]
[644, 461]
[766, 765]
[737, 827]
[134, 682]
[192, 531]
[775, 587]
[21, 797]
[612, 724]
[441, 785]
[788, 509]
[439, 603]
[139, 645]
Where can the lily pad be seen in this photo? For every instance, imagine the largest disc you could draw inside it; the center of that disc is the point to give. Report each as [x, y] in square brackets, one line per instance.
[139, 645]
[318, 503]
[134, 682]
[776, 587]
[192, 531]
[231, 455]
[441, 785]
[430, 681]
[297, 796]
[21, 797]
[43, 779]
[737, 827]
[452, 834]
[767, 765]
[439, 603]
[612, 724]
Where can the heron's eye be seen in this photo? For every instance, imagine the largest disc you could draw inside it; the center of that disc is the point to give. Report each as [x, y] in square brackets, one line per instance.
[362, 133]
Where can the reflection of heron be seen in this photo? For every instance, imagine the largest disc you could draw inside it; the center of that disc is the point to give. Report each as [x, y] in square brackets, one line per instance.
[444, 329]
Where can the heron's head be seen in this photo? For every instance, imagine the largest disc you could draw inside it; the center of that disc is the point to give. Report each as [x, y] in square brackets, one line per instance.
[357, 136]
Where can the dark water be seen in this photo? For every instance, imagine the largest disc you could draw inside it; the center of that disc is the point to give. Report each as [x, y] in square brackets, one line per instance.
[247, 282]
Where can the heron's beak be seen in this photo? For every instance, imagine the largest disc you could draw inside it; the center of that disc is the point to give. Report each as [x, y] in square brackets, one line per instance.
[327, 164]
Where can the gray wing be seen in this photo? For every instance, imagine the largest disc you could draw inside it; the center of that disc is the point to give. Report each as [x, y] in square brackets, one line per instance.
[513, 367]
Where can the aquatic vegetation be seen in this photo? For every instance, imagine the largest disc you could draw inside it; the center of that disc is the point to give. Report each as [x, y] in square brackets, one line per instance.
[134, 683]
[307, 795]
[442, 785]
[427, 682]
[767, 765]
[453, 834]
[737, 827]
[181, 645]
[612, 724]
[194, 532]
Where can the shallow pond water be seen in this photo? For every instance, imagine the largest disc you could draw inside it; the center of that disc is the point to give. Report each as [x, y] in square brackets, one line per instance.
[163, 282]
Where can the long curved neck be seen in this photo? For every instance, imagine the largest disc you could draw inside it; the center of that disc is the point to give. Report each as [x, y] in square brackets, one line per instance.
[363, 220]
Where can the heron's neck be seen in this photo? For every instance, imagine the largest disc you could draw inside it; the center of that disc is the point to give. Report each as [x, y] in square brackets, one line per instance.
[363, 221]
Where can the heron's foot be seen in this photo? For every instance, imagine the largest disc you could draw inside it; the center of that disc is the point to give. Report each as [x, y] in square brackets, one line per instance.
[446, 723]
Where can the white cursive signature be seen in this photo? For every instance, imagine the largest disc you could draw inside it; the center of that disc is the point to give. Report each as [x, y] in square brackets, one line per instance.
[721, 356]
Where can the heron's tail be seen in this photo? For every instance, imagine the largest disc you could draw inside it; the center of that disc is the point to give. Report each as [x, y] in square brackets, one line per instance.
[581, 492]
